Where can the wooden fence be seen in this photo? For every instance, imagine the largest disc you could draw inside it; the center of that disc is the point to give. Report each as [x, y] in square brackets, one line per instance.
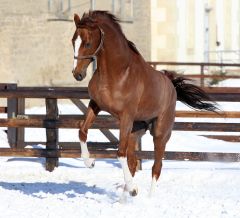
[202, 75]
[17, 120]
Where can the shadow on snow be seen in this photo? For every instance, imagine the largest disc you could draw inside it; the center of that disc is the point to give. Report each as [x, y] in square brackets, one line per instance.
[41, 190]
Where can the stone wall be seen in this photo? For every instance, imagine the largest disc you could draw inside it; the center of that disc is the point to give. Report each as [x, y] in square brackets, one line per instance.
[37, 52]
[33, 51]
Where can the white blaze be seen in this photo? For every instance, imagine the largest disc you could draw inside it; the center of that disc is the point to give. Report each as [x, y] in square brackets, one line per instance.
[76, 49]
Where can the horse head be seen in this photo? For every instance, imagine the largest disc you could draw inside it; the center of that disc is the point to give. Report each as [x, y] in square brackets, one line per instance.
[87, 41]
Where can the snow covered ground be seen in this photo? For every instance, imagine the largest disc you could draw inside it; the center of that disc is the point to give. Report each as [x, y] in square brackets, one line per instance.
[185, 189]
[229, 83]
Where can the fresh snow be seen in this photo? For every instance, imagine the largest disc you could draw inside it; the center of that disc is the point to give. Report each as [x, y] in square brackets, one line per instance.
[185, 189]
[229, 83]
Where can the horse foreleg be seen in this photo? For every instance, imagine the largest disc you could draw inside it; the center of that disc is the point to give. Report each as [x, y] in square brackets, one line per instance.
[91, 114]
[125, 130]
[133, 143]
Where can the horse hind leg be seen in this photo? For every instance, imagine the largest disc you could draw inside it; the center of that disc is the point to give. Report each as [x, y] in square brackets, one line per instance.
[162, 128]
[159, 148]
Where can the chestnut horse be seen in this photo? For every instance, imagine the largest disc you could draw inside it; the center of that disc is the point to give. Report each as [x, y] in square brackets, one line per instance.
[127, 87]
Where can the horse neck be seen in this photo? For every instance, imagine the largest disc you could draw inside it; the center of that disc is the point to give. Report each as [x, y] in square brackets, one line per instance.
[115, 55]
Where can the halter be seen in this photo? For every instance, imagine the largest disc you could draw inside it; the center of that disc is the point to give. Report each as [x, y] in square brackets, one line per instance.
[93, 57]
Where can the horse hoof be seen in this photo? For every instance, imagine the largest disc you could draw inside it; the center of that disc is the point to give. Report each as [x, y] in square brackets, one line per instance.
[93, 164]
[134, 192]
[90, 163]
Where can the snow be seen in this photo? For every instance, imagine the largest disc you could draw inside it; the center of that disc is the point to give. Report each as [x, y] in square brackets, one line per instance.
[229, 83]
[185, 189]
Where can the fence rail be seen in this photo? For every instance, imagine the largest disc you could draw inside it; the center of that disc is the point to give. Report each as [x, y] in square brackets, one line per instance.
[202, 68]
[147, 155]
[217, 93]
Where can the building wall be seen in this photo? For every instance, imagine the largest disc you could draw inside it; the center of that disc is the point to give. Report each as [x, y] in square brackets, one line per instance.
[163, 30]
[140, 30]
[178, 30]
[33, 51]
[38, 52]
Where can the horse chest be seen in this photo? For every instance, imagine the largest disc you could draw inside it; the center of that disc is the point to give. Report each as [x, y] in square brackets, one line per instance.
[106, 100]
[109, 97]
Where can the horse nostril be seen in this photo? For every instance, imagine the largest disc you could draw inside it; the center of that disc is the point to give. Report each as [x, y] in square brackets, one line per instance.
[79, 77]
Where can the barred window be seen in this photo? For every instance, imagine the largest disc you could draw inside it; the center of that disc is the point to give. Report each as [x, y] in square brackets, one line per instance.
[123, 9]
[61, 9]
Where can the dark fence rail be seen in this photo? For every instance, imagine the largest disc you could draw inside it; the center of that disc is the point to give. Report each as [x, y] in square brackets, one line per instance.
[147, 155]
[216, 93]
[109, 122]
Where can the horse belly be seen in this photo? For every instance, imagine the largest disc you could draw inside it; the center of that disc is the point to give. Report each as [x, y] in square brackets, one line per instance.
[155, 101]
[147, 112]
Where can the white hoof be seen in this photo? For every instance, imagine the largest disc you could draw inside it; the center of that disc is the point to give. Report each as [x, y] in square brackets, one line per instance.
[89, 162]
[133, 190]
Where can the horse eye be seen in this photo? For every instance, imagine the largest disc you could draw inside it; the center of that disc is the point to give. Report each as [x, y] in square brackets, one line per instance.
[88, 45]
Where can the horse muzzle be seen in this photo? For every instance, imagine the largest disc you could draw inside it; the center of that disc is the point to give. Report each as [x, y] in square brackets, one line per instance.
[80, 76]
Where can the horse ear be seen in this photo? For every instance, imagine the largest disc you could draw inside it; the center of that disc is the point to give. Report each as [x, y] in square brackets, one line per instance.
[76, 19]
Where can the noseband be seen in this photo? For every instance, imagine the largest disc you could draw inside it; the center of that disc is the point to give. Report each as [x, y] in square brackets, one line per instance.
[93, 57]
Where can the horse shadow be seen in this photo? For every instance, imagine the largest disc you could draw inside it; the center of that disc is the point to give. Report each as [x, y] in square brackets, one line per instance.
[42, 190]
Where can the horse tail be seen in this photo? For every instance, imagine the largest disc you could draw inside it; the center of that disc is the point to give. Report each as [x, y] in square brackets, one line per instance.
[191, 95]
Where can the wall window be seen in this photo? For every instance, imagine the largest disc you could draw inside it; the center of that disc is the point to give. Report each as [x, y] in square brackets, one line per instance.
[123, 9]
[59, 8]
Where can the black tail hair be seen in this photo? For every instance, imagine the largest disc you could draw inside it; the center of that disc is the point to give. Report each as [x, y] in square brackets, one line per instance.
[191, 95]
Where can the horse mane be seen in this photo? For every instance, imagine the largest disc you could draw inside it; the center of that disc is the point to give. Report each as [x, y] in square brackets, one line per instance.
[92, 16]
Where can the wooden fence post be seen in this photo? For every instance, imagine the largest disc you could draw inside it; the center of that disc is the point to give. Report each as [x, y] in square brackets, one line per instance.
[20, 131]
[202, 76]
[139, 148]
[51, 133]
[12, 113]
[15, 107]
